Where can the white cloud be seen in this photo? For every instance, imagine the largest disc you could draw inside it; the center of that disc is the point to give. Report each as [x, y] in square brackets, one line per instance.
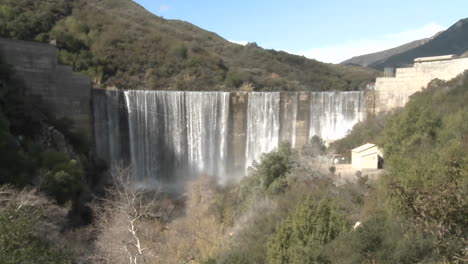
[339, 52]
[164, 8]
[243, 43]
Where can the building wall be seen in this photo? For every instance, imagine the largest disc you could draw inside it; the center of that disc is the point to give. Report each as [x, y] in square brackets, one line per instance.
[355, 160]
[392, 92]
[370, 161]
[366, 159]
[64, 92]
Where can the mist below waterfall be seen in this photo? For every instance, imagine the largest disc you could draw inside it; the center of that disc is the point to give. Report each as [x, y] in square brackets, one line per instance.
[169, 136]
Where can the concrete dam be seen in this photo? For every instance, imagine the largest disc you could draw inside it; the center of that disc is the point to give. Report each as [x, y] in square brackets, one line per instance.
[167, 136]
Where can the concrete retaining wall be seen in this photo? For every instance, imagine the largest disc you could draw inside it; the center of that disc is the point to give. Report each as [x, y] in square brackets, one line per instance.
[64, 92]
[392, 92]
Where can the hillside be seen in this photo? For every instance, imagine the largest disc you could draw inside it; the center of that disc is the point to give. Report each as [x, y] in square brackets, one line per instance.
[119, 43]
[452, 41]
[368, 59]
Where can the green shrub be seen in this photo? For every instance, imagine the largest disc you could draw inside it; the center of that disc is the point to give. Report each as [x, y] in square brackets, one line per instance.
[300, 238]
[20, 242]
[62, 180]
[380, 240]
[269, 175]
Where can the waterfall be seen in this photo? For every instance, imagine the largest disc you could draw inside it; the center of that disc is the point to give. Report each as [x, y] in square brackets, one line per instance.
[207, 114]
[174, 134]
[262, 124]
[333, 114]
[170, 136]
[110, 126]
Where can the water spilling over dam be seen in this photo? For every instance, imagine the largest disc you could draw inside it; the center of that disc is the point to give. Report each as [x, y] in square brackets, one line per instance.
[166, 136]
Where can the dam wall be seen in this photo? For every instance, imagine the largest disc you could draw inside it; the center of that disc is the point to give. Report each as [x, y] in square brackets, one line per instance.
[65, 94]
[393, 92]
[169, 136]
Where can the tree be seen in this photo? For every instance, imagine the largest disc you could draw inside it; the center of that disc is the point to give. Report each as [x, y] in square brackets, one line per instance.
[127, 222]
[269, 175]
[301, 236]
[200, 234]
[30, 227]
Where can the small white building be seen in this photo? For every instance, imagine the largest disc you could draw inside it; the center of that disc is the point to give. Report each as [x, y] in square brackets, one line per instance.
[367, 156]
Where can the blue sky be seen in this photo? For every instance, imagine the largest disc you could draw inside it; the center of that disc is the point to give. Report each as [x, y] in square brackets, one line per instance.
[327, 30]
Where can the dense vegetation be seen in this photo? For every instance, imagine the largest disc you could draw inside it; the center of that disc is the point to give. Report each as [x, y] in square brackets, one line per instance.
[118, 43]
[284, 211]
[38, 172]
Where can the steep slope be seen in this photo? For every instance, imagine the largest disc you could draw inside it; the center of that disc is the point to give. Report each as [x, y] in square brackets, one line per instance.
[368, 59]
[121, 44]
[452, 41]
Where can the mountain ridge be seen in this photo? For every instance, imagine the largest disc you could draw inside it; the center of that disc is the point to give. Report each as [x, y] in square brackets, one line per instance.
[454, 41]
[121, 44]
[371, 58]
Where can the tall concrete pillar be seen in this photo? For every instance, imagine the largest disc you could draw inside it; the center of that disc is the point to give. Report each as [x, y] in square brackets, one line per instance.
[303, 119]
[288, 116]
[237, 133]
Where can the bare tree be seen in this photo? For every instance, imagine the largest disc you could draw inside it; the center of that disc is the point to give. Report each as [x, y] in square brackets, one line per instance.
[128, 220]
[200, 233]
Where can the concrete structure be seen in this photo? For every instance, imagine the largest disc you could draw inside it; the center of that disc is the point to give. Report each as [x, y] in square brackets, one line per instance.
[367, 156]
[64, 92]
[392, 92]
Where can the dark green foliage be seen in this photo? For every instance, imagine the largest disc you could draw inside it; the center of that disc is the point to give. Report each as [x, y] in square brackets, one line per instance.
[30, 19]
[236, 258]
[426, 147]
[21, 122]
[364, 132]
[380, 240]
[15, 167]
[300, 238]
[18, 121]
[119, 44]
[315, 147]
[413, 130]
[21, 241]
[62, 180]
[269, 175]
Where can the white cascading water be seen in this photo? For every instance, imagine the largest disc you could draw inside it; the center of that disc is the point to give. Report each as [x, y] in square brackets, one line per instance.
[333, 114]
[174, 135]
[207, 115]
[263, 124]
[177, 133]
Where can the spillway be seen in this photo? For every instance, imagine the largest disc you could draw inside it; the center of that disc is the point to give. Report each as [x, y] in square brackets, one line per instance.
[169, 136]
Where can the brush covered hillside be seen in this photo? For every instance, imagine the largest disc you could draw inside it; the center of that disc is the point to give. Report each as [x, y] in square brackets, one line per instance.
[368, 59]
[119, 43]
[284, 211]
[451, 41]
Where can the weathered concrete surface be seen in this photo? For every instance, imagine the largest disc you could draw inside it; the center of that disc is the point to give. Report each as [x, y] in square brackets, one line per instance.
[111, 117]
[288, 113]
[64, 92]
[392, 92]
[237, 132]
[303, 119]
